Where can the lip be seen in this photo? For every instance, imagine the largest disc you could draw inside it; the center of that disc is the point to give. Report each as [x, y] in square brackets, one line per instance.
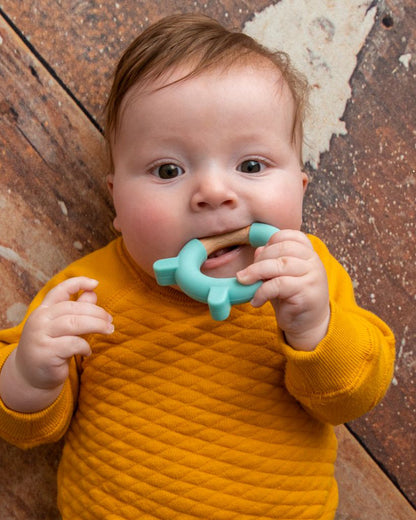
[222, 260]
[222, 231]
[227, 257]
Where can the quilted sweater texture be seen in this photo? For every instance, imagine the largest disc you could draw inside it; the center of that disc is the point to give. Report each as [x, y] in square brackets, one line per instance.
[176, 416]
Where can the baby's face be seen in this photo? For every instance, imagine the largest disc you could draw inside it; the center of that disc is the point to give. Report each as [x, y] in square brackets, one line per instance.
[202, 157]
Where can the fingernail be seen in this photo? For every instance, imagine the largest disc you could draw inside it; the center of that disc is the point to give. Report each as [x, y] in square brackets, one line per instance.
[241, 276]
[111, 328]
[258, 251]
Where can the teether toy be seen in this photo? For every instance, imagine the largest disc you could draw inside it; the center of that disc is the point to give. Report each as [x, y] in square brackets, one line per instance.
[220, 293]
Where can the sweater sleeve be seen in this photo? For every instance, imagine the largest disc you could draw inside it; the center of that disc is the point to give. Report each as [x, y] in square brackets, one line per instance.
[350, 370]
[26, 430]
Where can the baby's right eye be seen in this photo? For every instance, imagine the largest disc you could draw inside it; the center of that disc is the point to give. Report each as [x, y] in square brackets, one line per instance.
[168, 171]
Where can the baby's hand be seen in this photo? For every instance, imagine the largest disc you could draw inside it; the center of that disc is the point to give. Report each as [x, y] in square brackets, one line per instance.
[295, 283]
[50, 337]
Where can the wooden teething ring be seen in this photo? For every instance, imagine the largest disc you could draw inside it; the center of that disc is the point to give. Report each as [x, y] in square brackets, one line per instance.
[220, 293]
[234, 238]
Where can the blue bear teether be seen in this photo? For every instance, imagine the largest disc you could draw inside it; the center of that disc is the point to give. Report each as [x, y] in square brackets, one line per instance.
[220, 293]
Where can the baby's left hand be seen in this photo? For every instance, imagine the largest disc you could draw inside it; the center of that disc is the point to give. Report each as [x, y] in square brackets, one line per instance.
[295, 283]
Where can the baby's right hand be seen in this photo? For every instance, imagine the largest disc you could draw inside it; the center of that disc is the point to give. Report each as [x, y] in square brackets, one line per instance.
[51, 336]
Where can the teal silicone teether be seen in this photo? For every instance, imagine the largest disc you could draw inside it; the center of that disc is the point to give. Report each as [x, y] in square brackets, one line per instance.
[220, 293]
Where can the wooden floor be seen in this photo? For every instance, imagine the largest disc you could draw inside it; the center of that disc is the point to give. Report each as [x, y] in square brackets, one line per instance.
[56, 59]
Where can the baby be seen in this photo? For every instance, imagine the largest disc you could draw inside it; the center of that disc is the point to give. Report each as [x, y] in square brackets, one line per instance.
[166, 413]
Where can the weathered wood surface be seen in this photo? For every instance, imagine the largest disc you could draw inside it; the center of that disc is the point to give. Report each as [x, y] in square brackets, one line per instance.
[365, 492]
[363, 202]
[54, 207]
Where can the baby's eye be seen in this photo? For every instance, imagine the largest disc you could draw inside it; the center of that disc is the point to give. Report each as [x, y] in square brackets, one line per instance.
[250, 166]
[168, 171]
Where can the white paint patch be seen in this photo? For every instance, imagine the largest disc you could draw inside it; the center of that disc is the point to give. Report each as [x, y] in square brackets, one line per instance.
[63, 207]
[9, 255]
[15, 313]
[405, 60]
[323, 38]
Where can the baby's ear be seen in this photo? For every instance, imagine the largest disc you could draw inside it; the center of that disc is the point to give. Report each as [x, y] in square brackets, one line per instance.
[110, 183]
[110, 186]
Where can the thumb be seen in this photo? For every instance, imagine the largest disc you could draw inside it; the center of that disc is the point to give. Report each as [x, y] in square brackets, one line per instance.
[87, 297]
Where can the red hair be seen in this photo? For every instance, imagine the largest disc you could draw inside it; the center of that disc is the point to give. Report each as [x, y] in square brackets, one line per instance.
[203, 43]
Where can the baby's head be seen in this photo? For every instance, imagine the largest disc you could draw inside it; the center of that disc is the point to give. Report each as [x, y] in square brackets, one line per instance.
[200, 43]
[205, 128]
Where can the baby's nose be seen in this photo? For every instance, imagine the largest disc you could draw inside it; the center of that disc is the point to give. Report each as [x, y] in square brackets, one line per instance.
[213, 191]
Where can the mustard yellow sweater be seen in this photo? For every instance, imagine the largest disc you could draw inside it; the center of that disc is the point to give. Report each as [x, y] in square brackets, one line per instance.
[176, 416]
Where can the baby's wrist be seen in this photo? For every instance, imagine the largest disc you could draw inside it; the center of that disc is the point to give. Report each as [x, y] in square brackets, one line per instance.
[20, 395]
[308, 340]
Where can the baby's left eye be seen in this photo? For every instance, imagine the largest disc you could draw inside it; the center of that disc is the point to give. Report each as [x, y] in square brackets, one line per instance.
[168, 171]
[250, 166]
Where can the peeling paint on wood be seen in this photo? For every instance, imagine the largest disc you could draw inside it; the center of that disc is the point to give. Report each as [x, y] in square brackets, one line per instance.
[323, 39]
[54, 205]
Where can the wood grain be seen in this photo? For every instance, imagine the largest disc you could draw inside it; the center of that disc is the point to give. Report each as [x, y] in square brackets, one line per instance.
[365, 492]
[214, 243]
[362, 201]
[81, 41]
[54, 207]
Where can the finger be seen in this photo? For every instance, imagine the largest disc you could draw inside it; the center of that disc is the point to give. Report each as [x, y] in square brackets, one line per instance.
[273, 268]
[64, 290]
[87, 296]
[77, 325]
[285, 288]
[69, 308]
[290, 235]
[287, 248]
[68, 346]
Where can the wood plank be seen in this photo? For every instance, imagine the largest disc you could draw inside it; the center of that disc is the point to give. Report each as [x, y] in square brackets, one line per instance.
[54, 205]
[82, 41]
[28, 483]
[44, 137]
[362, 201]
[365, 492]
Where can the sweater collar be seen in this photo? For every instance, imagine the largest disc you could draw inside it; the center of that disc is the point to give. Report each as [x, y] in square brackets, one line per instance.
[169, 293]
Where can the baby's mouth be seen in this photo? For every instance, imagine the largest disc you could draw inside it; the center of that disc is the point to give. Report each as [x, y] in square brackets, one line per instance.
[220, 259]
[222, 251]
[225, 248]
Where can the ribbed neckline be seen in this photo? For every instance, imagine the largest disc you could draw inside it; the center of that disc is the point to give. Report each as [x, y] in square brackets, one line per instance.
[168, 293]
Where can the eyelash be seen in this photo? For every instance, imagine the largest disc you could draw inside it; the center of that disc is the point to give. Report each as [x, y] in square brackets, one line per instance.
[261, 162]
[155, 170]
